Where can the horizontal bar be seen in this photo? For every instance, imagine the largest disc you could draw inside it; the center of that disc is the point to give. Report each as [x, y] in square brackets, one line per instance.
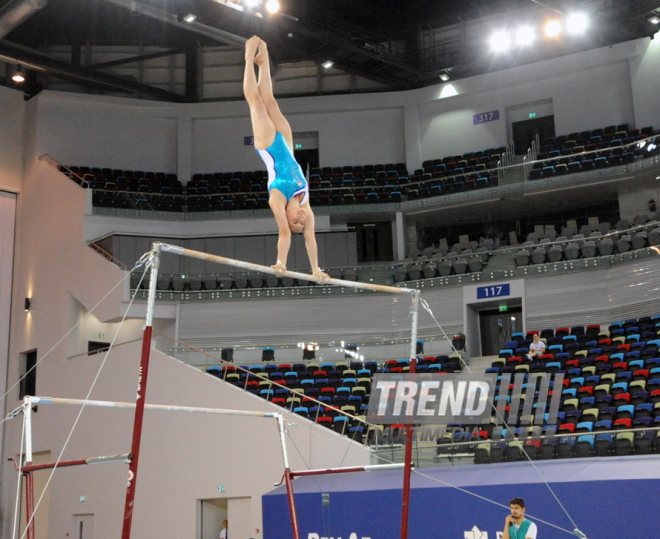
[174, 249]
[349, 469]
[78, 462]
[166, 408]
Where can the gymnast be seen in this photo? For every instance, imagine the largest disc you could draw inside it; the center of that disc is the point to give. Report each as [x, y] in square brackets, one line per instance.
[288, 190]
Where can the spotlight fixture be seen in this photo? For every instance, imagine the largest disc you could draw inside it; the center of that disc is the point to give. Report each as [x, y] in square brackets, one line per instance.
[19, 78]
[525, 36]
[552, 28]
[328, 64]
[190, 17]
[500, 41]
[273, 6]
[444, 76]
[27, 304]
[654, 19]
[577, 23]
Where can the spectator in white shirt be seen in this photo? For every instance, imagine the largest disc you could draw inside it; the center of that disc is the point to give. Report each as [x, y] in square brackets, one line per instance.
[536, 349]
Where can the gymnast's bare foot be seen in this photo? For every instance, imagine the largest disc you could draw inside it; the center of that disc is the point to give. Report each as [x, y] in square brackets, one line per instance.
[262, 56]
[251, 48]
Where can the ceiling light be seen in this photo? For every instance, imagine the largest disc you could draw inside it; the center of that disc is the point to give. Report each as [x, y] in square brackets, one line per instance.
[251, 4]
[444, 77]
[552, 29]
[190, 17]
[525, 36]
[18, 75]
[577, 23]
[328, 64]
[273, 6]
[500, 41]
[654, 19]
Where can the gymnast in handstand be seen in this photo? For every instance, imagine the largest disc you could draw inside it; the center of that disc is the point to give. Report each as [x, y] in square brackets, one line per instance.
[288, 190]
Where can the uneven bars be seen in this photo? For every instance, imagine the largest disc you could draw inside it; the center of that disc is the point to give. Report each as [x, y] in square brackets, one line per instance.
[78, 462]
[163, 407]
[349, 469]
[174, 249]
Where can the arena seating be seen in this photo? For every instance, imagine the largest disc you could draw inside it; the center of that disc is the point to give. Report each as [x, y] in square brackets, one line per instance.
[589, 150]
[340, 386]
[612, 382]
[590, 242]
[381, 183]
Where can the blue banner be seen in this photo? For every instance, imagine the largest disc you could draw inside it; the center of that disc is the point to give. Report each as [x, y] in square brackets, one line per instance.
[493, 291]
[484, 117]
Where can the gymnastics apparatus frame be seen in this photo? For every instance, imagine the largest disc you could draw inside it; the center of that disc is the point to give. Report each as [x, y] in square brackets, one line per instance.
[152, 262]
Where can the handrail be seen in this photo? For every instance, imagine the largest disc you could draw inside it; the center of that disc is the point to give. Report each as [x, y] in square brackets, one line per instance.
[107, 255]
[55, 163]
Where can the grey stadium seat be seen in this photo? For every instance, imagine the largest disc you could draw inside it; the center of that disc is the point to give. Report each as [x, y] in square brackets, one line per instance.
[460, 266]
[415, 272]
[654, 237]
[622, 224]
[476, 264]
[572, 251]
[272, 281]
[400, 274]
[579, 239]
[287, 282]
[225, 283]
[210, 282]
[639, 240]
[430, 270]
[482, 252]
[606, 247]
[604, 227]
[163, 282]
[555, 253]
[522, 257]
[589, 249]
[444, 268]
[623, 244]
[256, 280]
[538, 255]
[195, 282]
[241, 280]
[178, 283]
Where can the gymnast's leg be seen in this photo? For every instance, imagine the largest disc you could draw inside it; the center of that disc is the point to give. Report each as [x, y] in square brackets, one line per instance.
[263, 128]
[265, 87]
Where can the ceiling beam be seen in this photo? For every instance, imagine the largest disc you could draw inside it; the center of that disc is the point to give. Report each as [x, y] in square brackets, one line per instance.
[34, 59]
[134, 59]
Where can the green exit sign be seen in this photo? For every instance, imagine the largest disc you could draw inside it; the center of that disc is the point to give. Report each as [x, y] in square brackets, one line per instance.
[297, 146]
[504, 308]
[532, 114]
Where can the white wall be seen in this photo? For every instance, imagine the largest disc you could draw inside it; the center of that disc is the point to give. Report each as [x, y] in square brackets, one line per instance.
[108, 132]
[645, 80]
[12, 109]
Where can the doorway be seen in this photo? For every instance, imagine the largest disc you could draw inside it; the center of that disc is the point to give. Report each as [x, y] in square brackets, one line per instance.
[307, 159]
[496, 328]
[83, 527]
[374, 241]
[525, 131]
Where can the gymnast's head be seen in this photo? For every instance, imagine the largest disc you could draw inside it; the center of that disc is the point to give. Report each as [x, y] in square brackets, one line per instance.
[295, 215]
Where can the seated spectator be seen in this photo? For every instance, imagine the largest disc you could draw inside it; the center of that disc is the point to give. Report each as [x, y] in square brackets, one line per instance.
[536, 349]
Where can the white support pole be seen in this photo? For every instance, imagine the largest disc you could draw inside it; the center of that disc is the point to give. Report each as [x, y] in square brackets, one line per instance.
[27, 411]
[155, 265]
[162, 407]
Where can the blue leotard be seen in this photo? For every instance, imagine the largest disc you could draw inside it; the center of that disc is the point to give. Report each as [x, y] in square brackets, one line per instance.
[284, 172]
